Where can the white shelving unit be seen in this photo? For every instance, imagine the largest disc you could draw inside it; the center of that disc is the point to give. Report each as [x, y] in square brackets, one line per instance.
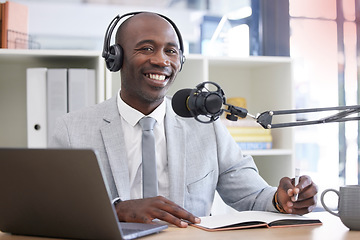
[13, 65]
[265, 82]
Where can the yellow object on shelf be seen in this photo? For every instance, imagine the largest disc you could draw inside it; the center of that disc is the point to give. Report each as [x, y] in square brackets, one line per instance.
[247, 133]
[237, 101]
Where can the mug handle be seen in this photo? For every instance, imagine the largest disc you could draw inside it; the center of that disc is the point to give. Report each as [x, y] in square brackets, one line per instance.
[323, 202]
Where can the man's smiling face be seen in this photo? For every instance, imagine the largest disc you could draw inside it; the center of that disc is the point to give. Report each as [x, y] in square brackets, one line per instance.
[151, 59]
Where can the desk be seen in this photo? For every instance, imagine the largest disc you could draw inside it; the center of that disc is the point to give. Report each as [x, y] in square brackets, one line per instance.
[332, 229]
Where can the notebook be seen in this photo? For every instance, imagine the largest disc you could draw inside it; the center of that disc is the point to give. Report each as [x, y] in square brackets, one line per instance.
[59, 193]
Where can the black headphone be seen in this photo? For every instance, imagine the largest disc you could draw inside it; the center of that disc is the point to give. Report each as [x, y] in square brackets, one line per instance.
[113, 54]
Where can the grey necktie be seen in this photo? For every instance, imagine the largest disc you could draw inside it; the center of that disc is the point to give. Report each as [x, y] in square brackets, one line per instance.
[150, 185]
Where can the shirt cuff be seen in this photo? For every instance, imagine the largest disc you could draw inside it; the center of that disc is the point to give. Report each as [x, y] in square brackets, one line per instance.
[116, 201]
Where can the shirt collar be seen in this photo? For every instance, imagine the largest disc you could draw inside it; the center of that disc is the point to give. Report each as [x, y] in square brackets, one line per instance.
[132, 116]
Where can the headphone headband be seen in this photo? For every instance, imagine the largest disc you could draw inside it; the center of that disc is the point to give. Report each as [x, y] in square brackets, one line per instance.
[113, 54]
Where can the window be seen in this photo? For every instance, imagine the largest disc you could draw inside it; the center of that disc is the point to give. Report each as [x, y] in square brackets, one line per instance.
[323, 46]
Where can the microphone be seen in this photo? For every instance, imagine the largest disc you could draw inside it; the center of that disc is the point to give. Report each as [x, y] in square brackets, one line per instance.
[180, 104]
[203, 102]
[199, 101]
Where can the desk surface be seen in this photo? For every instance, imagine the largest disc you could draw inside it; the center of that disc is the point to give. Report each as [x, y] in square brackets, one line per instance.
[332, 228]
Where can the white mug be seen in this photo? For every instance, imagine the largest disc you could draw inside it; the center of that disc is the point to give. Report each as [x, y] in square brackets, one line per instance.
[348, 205]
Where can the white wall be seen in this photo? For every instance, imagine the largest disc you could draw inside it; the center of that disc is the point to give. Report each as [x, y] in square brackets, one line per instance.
[76, 25]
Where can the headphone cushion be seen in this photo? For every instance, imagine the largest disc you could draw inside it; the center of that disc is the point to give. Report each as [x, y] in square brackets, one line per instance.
[115, 60]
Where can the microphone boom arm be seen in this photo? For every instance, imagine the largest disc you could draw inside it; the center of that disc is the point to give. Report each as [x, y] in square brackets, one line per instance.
[265, 118]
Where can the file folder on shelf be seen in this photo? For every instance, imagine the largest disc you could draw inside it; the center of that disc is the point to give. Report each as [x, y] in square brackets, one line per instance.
[51, 93]
[81, 88]
[56, 97]
[36, 107]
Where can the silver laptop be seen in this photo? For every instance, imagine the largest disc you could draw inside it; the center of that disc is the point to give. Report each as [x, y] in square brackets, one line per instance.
[59, 193]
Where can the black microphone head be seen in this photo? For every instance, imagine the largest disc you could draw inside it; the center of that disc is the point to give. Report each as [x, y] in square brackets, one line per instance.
[213, 103]
[179, 102]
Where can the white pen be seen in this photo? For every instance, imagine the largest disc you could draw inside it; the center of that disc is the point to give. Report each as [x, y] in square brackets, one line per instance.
[297, 176]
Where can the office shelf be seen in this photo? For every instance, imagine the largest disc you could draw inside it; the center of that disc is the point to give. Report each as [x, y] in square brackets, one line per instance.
[13, 65]
[265, 82]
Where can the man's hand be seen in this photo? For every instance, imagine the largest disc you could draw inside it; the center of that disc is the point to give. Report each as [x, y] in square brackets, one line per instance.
[306, 190]
[145, 210]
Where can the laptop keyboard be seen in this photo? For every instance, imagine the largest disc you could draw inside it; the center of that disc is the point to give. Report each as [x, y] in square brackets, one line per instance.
[135, 230]
[127, 231]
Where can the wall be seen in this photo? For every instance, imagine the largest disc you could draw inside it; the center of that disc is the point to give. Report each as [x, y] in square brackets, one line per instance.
[82, 26]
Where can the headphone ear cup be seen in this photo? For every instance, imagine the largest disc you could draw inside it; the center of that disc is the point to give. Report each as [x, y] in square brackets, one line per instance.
[182, 61]
[115, 60]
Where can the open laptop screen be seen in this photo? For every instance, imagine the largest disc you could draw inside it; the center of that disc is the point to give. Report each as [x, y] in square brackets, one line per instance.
[55, 192]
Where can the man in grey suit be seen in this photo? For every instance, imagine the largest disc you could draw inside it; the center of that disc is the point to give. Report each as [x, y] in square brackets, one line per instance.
[193, 159]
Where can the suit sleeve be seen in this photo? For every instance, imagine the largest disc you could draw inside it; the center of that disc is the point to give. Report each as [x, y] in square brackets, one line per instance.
[240, 185]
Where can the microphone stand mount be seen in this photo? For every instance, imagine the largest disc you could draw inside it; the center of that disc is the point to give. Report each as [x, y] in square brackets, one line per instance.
[265, 118]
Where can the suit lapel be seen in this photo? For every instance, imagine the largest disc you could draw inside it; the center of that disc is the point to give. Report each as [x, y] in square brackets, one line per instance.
[115, 148]
[176, 153]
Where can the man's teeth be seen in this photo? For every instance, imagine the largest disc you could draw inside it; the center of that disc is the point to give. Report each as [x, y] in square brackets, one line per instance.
[156, 76]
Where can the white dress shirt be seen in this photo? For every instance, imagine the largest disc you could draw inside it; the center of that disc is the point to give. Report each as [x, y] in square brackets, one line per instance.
[133, 133]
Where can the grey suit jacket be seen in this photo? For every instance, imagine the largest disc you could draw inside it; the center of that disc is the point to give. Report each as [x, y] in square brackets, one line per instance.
[202, 158]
